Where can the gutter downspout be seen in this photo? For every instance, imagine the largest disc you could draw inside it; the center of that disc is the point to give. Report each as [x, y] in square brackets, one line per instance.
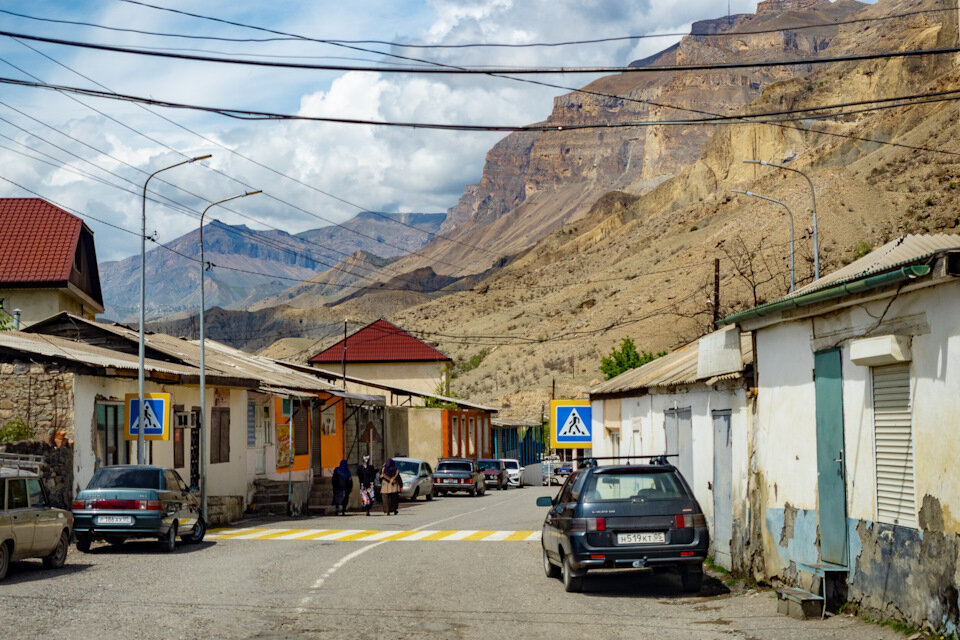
[858, 286]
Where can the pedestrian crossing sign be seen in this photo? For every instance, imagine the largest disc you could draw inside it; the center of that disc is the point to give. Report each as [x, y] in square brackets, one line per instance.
[157, 416]
[571, 425]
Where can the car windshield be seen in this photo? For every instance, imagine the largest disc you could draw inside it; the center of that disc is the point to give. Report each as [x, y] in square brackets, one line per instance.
[512, 464]
[453, 466]
[631, 485]
[489, 464]
[125, 478]
[408, 467]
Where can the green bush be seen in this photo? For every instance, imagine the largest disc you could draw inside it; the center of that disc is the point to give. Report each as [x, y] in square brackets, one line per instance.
[862, 248]
[15, 430]
[625, 358]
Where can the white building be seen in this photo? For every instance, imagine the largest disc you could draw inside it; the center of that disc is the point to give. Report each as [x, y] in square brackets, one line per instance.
[694, 403]
[855, 441]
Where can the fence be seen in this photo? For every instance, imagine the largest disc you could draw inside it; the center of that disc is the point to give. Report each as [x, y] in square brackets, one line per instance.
[523, 443]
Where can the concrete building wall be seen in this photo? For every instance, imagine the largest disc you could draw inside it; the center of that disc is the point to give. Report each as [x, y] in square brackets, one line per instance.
[39, 304]
[223, 479]
[426, 434]
[905, 572]
[425, 377]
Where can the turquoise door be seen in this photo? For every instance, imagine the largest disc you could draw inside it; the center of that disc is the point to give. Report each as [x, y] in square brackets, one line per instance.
[831, 486]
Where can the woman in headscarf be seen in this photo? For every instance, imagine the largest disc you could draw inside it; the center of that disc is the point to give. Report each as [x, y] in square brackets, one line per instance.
[342, 485]
[390, 485]
[366, 476]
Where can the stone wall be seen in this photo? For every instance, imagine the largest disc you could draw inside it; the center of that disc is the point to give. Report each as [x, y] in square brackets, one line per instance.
[56, 470]
[40, 395]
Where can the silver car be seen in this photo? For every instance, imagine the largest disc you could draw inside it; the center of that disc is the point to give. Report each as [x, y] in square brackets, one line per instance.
[29, 526]
[417, 478]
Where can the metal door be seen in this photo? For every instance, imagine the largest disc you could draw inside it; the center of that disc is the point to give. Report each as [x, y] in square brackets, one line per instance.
[678, 429]
[722, 488]
[831, 486]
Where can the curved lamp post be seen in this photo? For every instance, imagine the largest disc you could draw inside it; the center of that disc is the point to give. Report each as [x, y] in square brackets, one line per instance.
[203, 369]
[813, 196]
[143, 294]
[790, 213]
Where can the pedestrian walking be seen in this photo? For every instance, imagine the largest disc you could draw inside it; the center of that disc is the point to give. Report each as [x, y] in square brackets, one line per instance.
[342, 485]
[366, 476]
[390, 485]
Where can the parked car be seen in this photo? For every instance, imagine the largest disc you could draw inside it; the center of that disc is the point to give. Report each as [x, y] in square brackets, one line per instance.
[137, 501]
[29, 526]
[458, 474]
[417, 478]
[494, 473]
[624, 516]
[514, 472]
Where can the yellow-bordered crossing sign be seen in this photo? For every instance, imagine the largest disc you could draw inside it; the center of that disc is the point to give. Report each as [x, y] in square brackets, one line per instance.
[571, 424]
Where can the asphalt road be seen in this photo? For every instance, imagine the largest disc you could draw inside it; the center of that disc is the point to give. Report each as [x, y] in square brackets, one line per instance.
[243, 587]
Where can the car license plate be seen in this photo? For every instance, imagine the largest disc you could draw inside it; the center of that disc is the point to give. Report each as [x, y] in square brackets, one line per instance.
[641, 538]
[114, 519]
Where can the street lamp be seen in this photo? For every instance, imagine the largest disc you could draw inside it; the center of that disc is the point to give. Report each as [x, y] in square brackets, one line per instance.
[203, 368]
[790, 213]
[141, 418]
[813, 196]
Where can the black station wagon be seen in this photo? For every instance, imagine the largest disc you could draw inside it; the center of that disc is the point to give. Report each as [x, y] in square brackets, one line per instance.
[624, 516]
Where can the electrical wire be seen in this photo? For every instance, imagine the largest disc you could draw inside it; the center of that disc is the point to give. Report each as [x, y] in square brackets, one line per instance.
[456, 70]
[750, 118]
[482, 45]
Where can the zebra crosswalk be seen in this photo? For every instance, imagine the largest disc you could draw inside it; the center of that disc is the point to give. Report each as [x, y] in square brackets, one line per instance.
[367, 535]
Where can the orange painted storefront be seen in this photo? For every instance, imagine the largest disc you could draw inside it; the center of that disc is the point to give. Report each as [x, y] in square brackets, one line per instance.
[331, 444]
[466, 434]
[284, 434]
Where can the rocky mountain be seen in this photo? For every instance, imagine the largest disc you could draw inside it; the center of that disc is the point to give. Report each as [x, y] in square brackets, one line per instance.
[614, 233]
[173, 274]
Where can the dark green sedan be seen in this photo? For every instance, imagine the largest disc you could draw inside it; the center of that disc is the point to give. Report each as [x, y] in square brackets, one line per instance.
[137, 501]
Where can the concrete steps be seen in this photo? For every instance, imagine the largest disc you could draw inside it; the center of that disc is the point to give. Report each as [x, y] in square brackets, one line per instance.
[798, 603]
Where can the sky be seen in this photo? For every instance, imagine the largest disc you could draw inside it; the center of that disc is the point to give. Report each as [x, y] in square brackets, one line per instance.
[92, 155]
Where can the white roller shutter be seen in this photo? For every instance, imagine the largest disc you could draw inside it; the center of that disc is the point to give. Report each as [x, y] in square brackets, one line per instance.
[893, 445]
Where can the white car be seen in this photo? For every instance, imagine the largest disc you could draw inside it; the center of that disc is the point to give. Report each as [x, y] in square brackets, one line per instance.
[514, 471]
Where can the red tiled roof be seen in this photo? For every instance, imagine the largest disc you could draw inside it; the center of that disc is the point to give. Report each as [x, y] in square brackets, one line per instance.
[39, 241]
[380, 342]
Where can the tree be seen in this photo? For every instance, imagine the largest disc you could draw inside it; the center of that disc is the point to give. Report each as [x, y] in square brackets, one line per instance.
[625, 358]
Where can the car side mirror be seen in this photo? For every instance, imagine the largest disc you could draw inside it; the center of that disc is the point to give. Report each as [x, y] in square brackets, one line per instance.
[544, 501]
[194, 489]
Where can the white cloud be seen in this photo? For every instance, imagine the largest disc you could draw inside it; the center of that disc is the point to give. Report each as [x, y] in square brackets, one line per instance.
[375, 167]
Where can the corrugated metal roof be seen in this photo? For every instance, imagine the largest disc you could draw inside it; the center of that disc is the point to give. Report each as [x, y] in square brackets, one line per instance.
[39, 241]
[219, 359]
[907, 249]
[54, 347]
[676, 368]
[380, 341]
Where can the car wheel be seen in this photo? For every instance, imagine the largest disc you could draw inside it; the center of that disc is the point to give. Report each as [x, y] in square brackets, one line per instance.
[416, 494]
[196, 536]
[59, 555]
[551, 570]
[168, 542]
[430, 495]
[4, 560]
[571, 583]
[83, 542]
[691, 579]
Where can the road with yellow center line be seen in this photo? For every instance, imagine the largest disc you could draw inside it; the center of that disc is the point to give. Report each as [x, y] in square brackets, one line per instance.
[370, 535]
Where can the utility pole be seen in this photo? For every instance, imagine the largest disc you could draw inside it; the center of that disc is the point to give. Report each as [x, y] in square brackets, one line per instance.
[716, 292]
[343, 360]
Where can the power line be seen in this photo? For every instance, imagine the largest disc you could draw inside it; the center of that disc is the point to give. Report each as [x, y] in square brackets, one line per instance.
[752, 118]
[455, 70]
[478, 45]
[404, 250]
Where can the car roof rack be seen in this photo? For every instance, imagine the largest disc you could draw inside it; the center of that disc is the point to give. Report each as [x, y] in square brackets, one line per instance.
[658, 459]
[11, 463]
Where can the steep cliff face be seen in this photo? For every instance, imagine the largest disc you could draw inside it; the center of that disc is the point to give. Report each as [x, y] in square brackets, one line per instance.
[524, 168]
